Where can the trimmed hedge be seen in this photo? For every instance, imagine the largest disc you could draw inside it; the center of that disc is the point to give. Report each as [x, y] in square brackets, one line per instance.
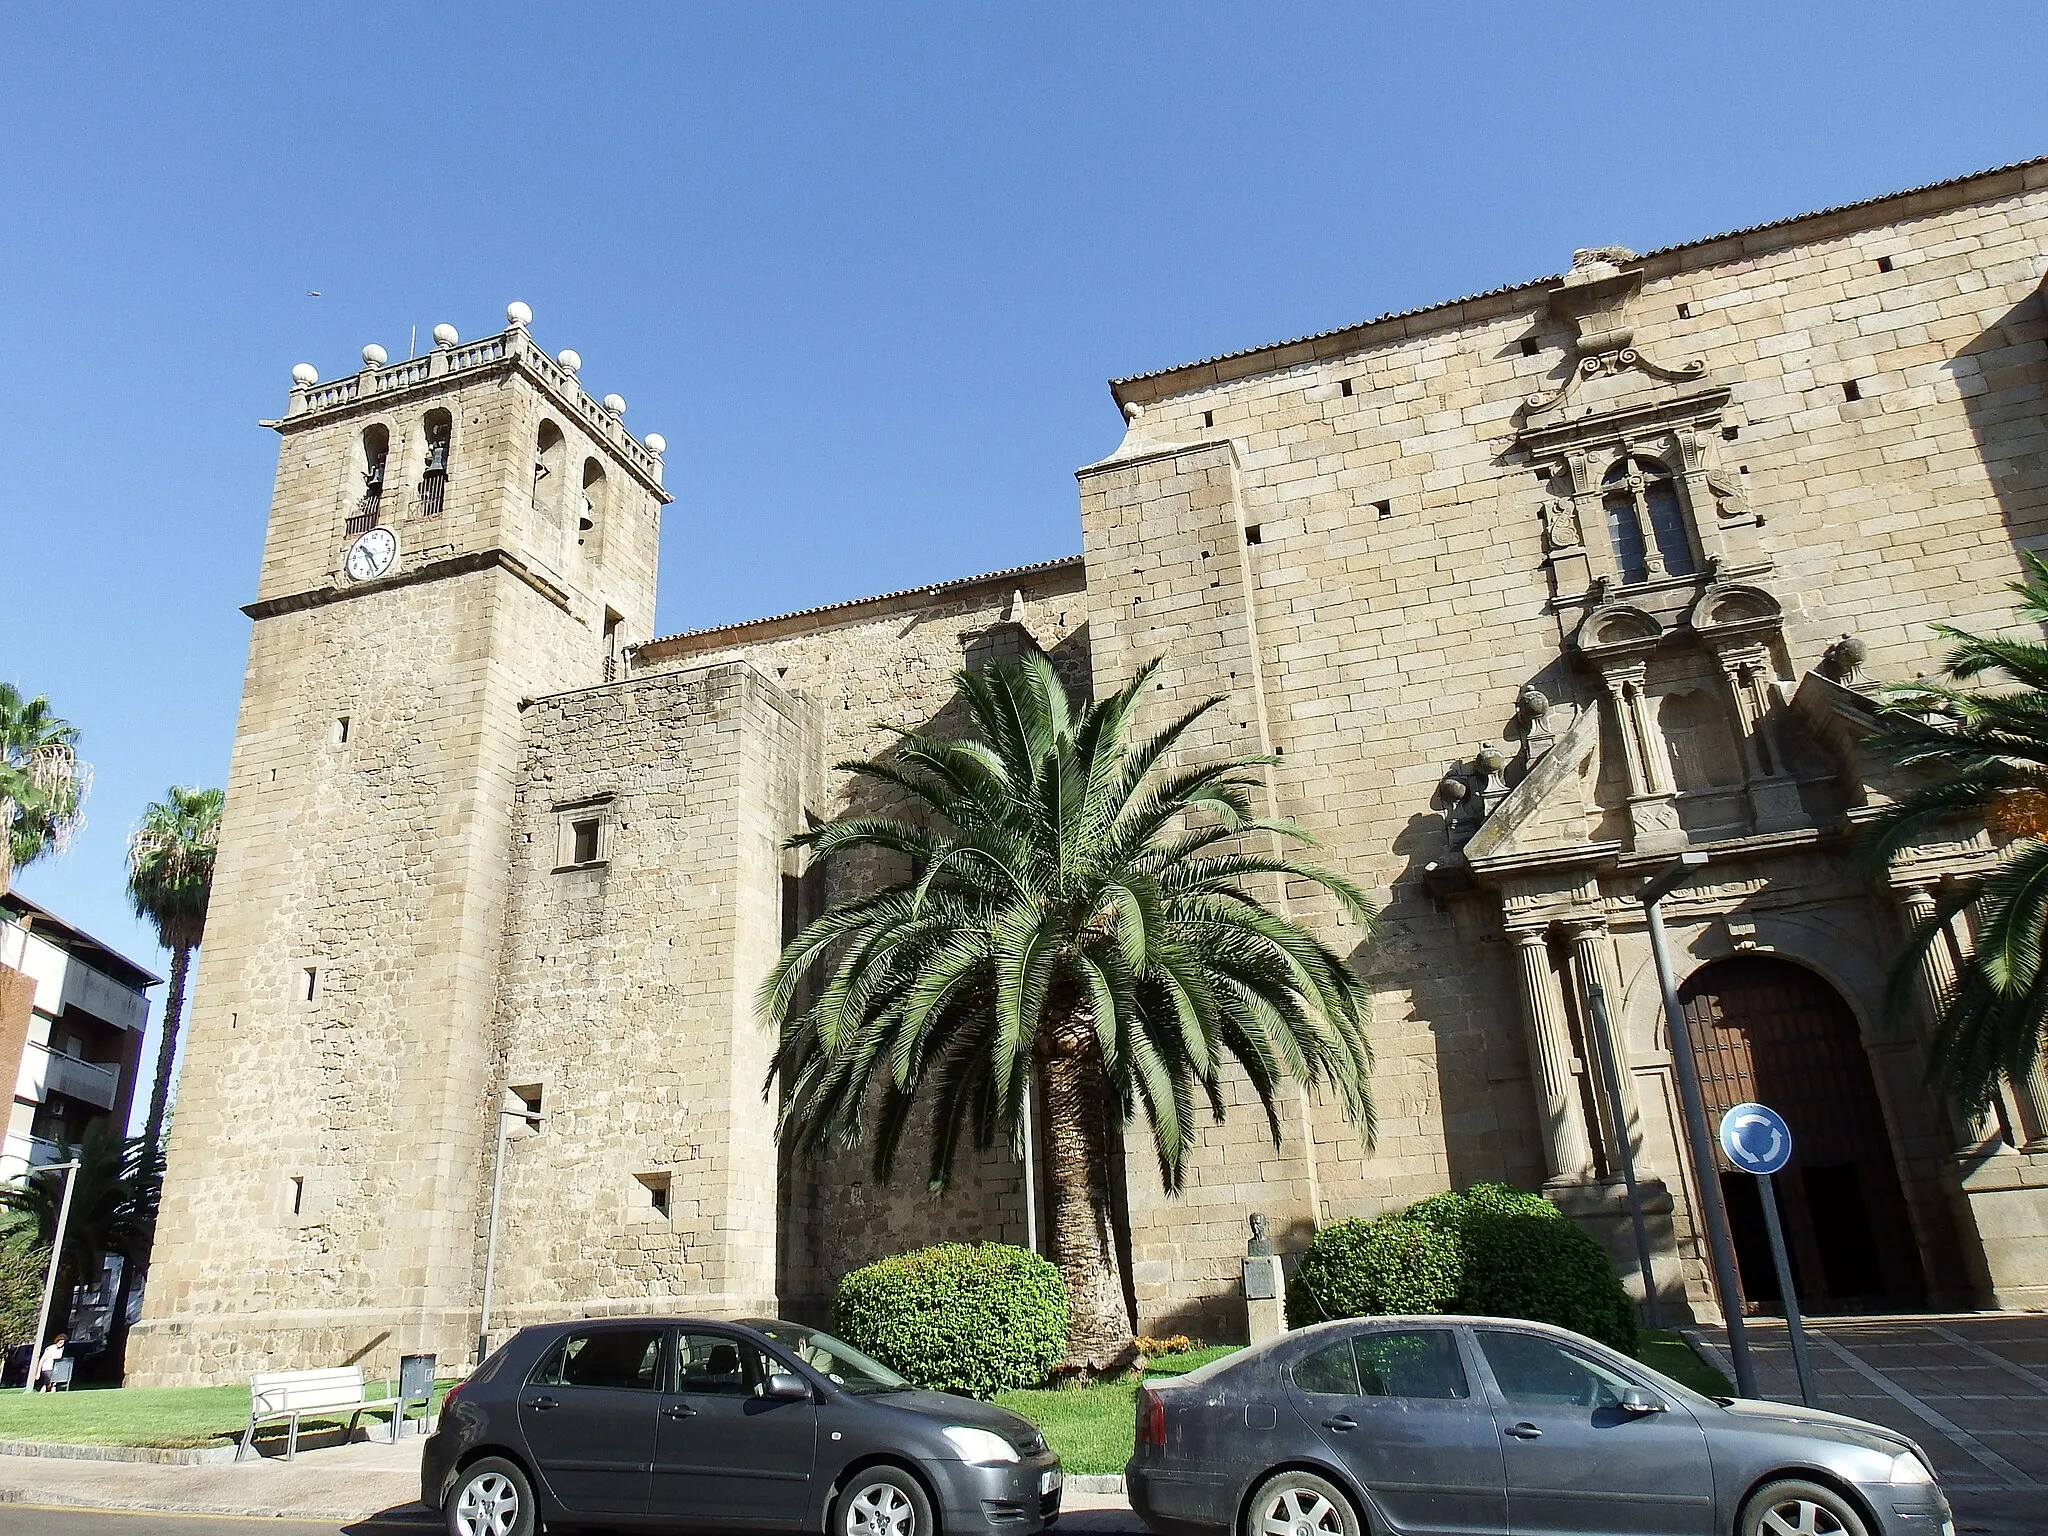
[1525, 1258]
[958, 1318]
[1371, 1268]
[1491, 1250]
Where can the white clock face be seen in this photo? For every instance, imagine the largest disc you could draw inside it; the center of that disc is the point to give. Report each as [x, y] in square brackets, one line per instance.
[371, 555]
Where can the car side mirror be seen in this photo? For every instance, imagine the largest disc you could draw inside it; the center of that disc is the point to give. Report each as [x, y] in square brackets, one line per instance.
[784, 1387]
[1636, 1400]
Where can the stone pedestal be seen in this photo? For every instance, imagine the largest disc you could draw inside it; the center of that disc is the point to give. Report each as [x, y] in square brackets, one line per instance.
[1265, 1299]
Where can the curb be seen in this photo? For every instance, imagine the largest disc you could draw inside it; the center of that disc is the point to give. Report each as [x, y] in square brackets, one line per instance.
[414, 1513]
[163, 1456]
[1094, 1482]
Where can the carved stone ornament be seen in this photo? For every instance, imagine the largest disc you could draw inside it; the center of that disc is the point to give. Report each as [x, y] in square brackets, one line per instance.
[1561, 525]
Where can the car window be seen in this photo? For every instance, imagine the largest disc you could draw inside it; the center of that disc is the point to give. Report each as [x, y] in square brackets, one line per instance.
[1332, 1369]
[1423, 1363]
[603, 1357]
[834, 1359]
[714, 1365]
[1536, 1371]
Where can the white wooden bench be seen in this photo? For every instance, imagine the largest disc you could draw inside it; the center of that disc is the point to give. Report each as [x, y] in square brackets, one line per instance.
[275, 1395]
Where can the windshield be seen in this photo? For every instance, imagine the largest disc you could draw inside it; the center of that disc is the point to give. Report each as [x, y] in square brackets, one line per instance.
[838, 1362]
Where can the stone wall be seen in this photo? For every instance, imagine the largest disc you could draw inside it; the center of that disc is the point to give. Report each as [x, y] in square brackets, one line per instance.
[1353, 512]
[857, 669]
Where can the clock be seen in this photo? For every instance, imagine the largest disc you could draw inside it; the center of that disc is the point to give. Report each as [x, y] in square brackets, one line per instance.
[371, 555]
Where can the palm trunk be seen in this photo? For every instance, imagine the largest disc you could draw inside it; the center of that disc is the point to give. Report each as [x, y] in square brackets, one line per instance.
[1077, 1133]
[166, 1055]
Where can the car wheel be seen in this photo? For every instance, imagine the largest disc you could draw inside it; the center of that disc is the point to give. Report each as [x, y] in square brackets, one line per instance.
[491, 1497]
[1301, 1504]
[883, 1501]
[1794, 1507]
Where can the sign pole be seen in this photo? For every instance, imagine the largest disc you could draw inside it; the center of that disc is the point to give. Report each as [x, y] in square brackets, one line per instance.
[1795, 1327]
[70, 1171]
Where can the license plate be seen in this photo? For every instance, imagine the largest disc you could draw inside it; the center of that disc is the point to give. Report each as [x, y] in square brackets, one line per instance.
[1049, 1481]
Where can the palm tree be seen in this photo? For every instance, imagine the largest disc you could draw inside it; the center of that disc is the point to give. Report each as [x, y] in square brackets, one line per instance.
[170, 877]
[1987, 754]
[114, 1198]
[42, 782]
[1073, 913]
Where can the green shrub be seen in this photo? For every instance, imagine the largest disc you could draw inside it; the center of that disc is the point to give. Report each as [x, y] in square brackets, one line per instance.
[1523, 1257]
[1369, 1268]
[955, 1318]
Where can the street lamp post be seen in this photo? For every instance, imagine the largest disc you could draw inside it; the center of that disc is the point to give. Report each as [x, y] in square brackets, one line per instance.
[70, 1170]
[1720, 1249]
[532, 1119]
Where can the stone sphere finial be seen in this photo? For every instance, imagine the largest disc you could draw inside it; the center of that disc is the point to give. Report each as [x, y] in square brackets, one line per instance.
[1491, 758]
[570, 359]
[1844, 657]
[1454, 788]
[656, 443]
[444, 335]
[305, 375]
[518, 314]
[616, 404]
[374, 355]
[1535, 703]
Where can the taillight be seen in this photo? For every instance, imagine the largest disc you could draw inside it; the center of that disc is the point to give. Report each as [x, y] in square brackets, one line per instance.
[1151, 1418]
[448, 1398]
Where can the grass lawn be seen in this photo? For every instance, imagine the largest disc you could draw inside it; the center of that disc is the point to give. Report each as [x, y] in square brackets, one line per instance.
[1091, 1427]
[157, 1416]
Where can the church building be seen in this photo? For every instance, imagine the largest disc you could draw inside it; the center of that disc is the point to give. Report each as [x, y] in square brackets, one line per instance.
[1528, 593]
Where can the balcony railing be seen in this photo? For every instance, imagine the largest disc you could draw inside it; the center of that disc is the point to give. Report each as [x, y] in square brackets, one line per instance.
[366, 513]
[47, 1072]
[433, 487]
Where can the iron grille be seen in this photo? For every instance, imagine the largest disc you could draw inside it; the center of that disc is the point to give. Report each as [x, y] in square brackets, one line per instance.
[432, 489]
[366, 513]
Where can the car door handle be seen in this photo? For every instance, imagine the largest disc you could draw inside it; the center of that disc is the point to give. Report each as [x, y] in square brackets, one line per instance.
[678, 1411]
[542, 1403]
[1523, 1431]
[1342, 1421]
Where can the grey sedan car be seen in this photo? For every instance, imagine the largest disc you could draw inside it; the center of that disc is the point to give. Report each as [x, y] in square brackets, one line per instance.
[1476, 1426]
[686, 1422]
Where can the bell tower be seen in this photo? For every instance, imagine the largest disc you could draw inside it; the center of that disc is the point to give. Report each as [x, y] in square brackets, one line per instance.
[450, 537]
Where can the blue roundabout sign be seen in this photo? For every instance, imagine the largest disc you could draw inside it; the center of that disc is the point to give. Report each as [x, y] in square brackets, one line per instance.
[1756, 1138]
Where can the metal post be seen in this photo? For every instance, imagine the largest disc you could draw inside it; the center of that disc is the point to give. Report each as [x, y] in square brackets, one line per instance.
[1030, 1179]
[1699, 1141]
[1795, 1327]
[56, 1258]
[1610, 1067]
[483, 1327]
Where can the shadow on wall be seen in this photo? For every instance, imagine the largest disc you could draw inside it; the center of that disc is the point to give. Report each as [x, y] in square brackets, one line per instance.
[2003, 378]
[837, 1215]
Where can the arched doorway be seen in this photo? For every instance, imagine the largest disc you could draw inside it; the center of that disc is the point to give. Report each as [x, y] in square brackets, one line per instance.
[1769, 1031]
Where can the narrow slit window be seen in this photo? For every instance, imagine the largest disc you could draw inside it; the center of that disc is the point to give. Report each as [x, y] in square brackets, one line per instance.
[298, 1194]
[658, 1189]
[309, 984]
[341, 728]
[1208, 418]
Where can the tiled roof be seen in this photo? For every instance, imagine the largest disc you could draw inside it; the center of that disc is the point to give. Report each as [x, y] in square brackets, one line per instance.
[931, 589]
[1538, 282]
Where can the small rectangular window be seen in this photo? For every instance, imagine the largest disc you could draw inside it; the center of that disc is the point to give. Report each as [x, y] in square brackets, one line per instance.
[1251, 534]
[298, 1194]
[1729, 434]
[309, 984]
[1383, 509]
[340, 731]
[657, 1187]
[1344, 388]
[585, 836]
[1851, 390]
[1208, 418]
[1884, 263]
[1529, 347]
[1685, 311]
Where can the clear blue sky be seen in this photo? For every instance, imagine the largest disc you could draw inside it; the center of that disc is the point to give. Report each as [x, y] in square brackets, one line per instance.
[866, 267]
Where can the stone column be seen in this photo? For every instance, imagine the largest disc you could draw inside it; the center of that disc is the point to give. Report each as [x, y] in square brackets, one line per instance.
[1550, 1059]
[1937, 981]
[1593, 960]
[1652, 816]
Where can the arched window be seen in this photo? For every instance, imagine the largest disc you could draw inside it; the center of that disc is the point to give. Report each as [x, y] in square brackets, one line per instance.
[1645, 520]
[376, 448]
[434, 483]
[590, 522]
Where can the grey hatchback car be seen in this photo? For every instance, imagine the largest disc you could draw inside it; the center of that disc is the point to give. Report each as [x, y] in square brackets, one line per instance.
[1478, 1426]
[697, 1423]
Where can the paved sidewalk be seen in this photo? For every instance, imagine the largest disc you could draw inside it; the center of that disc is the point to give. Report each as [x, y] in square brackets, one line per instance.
[1971, 1388]
[342, 1483]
